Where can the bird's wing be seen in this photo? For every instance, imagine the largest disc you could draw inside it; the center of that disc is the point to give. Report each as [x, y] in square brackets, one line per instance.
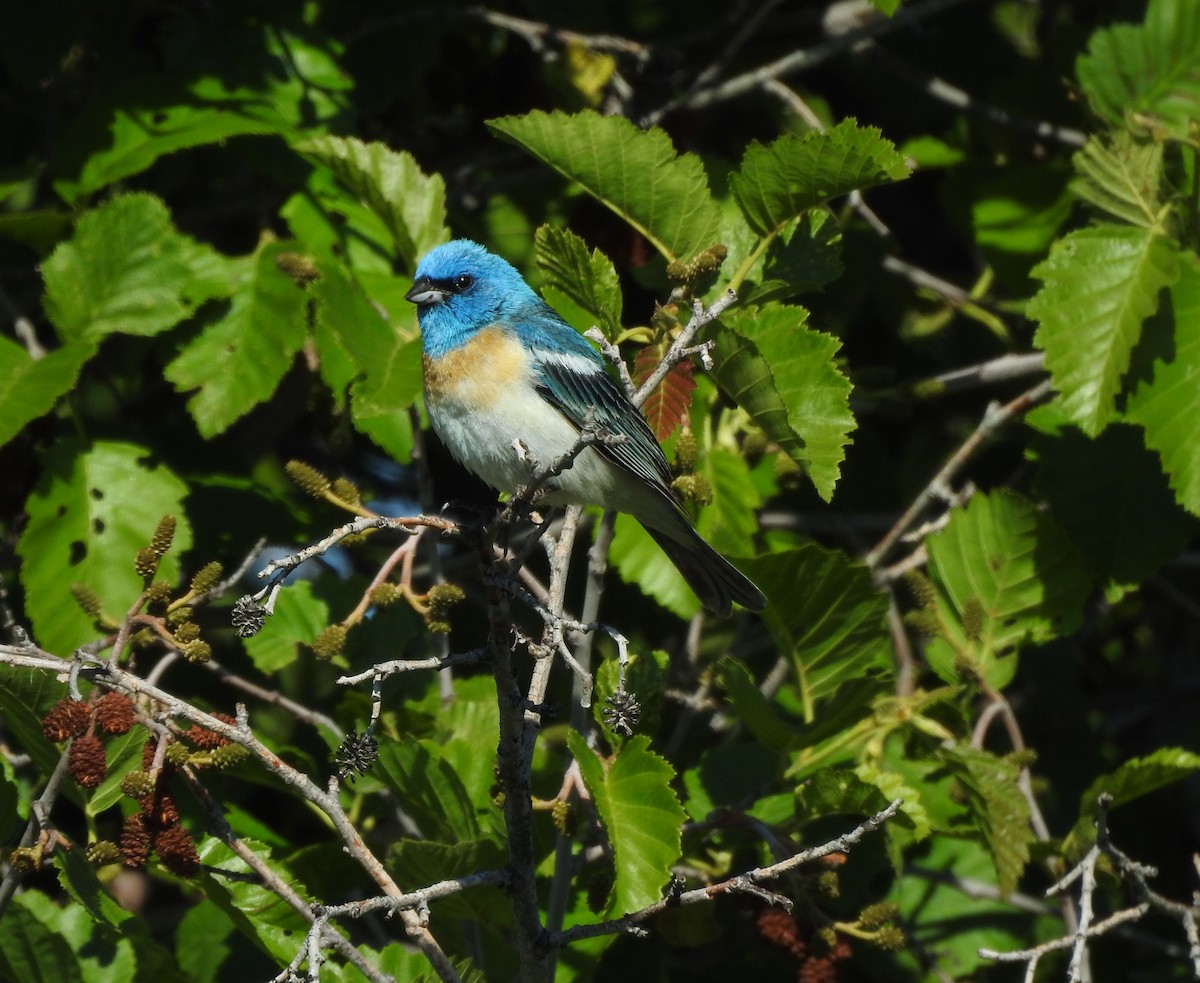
[574, 383]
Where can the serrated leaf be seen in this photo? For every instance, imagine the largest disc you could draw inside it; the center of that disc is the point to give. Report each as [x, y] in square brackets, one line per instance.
[587, 280]
[93, 509]
[1098, 285]
[999, 808]
[421, 862]
[783, 373]
[1140, 776]
[636, 173]
[892, 785]
[1132, 780]
[641, 816]
[411, 203]
[1151, 70]
[246, 348]
[1165, 402]
[777, 182]
[30, 387]
[641, 562]
[825, 615]
[127, 269]
[667, 407]
[1008, 566]
[1121, 177]
[805, 256]
[1111, 496]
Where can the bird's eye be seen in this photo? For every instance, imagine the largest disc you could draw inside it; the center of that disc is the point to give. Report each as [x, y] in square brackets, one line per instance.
[463, 282]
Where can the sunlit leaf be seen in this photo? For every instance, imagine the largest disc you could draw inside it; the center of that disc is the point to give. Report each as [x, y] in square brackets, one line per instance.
[411, 203]
[1099, 285]
[641, 816]
[636, 173]
[777, 182]
[586, 281]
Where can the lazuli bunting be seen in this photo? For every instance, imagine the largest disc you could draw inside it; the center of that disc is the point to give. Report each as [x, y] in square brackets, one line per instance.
[504, 374]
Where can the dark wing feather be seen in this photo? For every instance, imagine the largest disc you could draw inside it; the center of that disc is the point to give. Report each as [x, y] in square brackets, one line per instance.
[573, 393]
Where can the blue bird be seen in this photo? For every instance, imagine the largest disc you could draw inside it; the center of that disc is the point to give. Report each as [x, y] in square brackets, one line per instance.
[503, 369]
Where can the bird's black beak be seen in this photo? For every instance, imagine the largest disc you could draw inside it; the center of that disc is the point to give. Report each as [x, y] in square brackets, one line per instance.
[425, 292]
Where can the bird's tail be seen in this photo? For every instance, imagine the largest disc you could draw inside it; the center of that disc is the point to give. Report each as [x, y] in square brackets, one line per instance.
[715, 580]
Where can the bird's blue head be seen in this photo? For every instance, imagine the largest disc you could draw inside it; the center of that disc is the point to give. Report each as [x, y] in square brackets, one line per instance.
[459, 289]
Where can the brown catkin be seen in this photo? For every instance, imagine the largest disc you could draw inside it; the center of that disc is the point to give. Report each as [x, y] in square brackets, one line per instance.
[114, 713]
[177, 851]
[86, 761]
[135, 841]
[66, 719]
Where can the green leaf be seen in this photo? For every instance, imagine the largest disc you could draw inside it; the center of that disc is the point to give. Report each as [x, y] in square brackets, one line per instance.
[730, 776]
[949, 922]
[730, 521]
[386, 363]
[30, 387]
[1151, 71]
[421, 862]
[1110, 495]
[1000, 809]
[893, 785]
[641, 562]
[784, 374]
[411, 204]
[32, 951]
[1132, 780]
[1099, 285]
[1121, 177]
[636, 173]
[763, 718]
[138, 134]
[128, 270]
[298, 619]
[825, 615]
[1165, 400]
[91, 512]
[1010, 575]
[432, 793]
[259, 912]
[777, 182]
[95, 922]
[582, 286]
[124, 754]
[805, 256]
[641, 816]
[245, 350]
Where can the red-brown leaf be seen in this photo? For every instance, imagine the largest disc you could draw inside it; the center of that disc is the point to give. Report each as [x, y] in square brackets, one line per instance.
[668, 404]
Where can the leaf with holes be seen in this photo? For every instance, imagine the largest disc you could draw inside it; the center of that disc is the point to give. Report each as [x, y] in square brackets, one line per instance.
[94, 508]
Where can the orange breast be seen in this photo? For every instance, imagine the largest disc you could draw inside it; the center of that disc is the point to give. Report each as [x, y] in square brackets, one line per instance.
[480, 372]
